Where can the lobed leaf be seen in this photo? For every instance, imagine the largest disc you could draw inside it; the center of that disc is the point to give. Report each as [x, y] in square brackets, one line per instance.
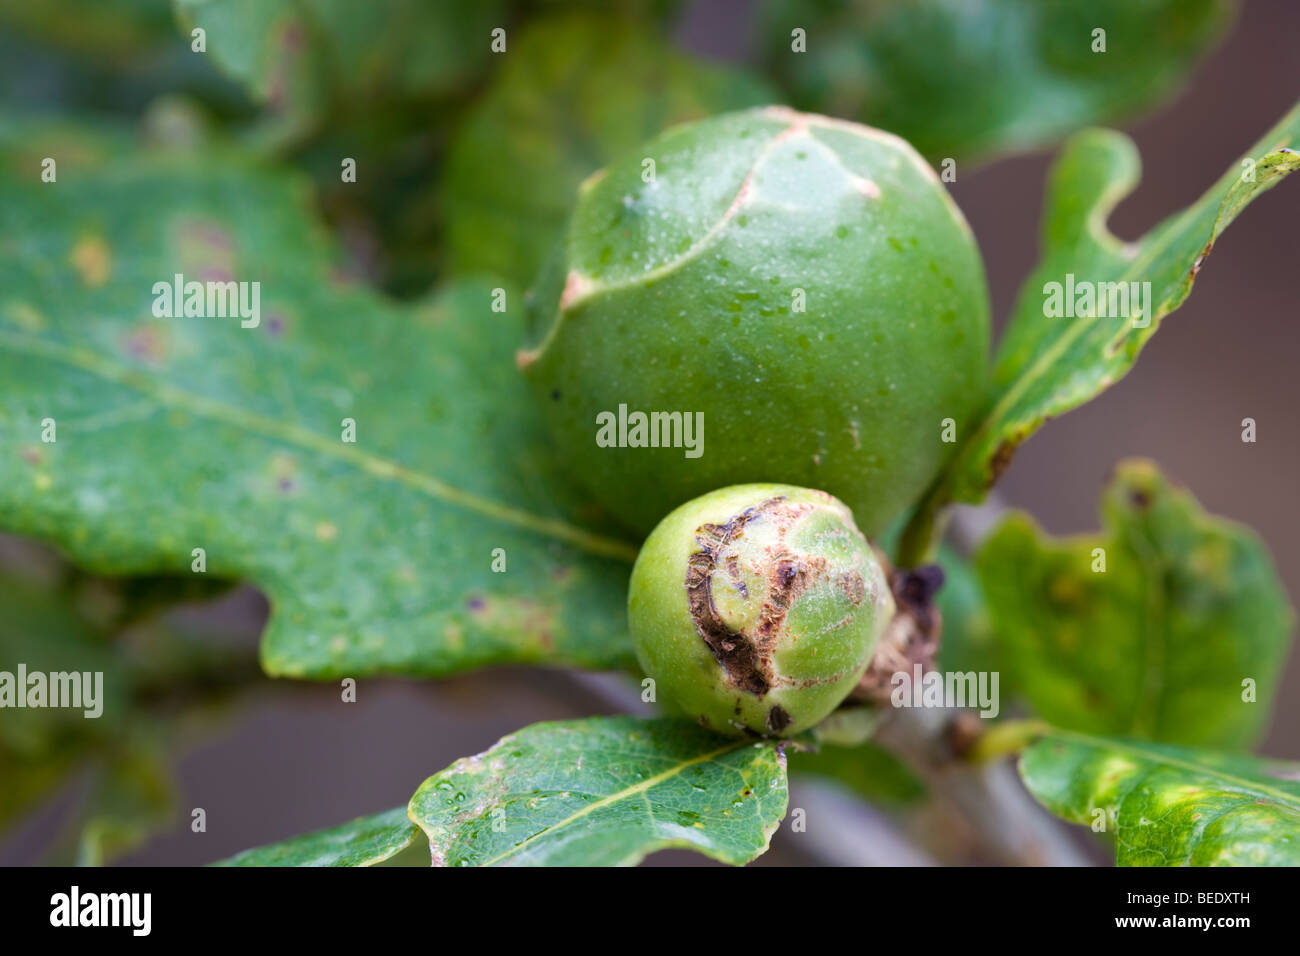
[968, 642]
[116, 30]
[1046, 366]
[575, 93]
[975, 78]
[305, 59]
[39, 747]
[1181, 638]
[364, 841]
[106, 57]
[132, 796]
[604, 791]
[1170, 806]
[158, 679]
[182, 433]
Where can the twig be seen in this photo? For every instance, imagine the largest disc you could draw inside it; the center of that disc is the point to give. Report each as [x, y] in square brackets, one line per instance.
[1009, 826]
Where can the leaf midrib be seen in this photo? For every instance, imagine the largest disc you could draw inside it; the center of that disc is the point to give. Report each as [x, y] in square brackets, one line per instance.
[1153, 243]
[624, 794]
[383, 468]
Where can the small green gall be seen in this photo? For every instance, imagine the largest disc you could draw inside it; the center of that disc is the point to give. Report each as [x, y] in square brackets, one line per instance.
[757, 608]
[791, 298]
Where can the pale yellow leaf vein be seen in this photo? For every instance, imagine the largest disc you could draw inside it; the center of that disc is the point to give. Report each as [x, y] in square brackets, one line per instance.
[624, 794]
[289, 433]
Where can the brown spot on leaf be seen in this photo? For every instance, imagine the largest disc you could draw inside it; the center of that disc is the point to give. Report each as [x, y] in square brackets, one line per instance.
[205, 249]
[1002, 456]
[527, 622]
[148, 342]
[93, 260]
[1196, 266]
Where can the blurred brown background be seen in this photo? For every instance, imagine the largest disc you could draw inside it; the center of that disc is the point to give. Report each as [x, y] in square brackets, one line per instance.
[298, 759]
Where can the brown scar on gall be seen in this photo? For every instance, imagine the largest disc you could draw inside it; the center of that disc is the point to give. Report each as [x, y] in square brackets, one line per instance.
[777, 719]
[853, 586]
[745, 657]
[575, 286]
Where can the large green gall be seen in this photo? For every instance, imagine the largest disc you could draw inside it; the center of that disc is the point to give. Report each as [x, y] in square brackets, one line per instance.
[803, 288]
[757, 608]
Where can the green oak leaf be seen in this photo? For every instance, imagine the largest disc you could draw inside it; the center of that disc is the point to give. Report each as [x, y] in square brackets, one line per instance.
[115, 30]
[604, 791]
[182, 433]
[390, 217]
[132, 796]
[78, 146]
[575, 93]
[41, 630]
[104, 56]
[160, 679]
[867, 770]
[364, 841]
[307, 59]
[1170, 806]
[1046, 366]
[976, 78]
[967, 634]
[1157, 645]
[662, 13]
